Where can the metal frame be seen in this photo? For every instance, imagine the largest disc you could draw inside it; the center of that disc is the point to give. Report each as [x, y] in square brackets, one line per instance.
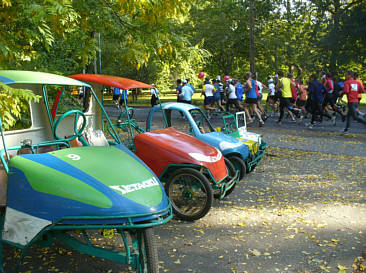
[59, 231]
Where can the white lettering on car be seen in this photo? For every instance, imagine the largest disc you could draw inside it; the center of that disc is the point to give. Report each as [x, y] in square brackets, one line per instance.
[124, 189]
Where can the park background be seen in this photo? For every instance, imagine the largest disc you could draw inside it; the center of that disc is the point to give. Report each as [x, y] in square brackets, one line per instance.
[159, 41]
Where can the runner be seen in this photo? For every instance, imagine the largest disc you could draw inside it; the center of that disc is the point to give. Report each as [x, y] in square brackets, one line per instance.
[116, 94]
[271, 98]
[239, 91]
[154, 95]
[352, 88]
[329, 97]
[294, 89]
[232, 97]
[301, 102]
[178, 90]
[187, 93]
[284, 85]
[124, 94]
[252, 99]
[208, 92]
[316, 92]
[260, 96]
[359, 95]
[217, 95]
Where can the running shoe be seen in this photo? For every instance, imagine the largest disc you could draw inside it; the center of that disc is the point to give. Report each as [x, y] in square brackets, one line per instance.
[333, 119]
[261, 123]
[298, 113]
[346, 132]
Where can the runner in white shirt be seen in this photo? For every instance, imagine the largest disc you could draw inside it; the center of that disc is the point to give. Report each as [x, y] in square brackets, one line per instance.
[208, 91]
[260, 91]
[271, 99]
[232, 98]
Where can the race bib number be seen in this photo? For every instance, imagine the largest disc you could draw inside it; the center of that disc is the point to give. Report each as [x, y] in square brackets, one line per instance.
[354, 87]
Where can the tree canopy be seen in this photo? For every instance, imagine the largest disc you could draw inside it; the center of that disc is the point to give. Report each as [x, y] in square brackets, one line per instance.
[162, 40]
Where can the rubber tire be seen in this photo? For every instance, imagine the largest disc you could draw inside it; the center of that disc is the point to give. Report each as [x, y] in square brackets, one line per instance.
[151, 259]
[239, 164]
[204, 183]
[231, 170]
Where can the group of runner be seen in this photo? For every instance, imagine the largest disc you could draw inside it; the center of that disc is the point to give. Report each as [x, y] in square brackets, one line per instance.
[316, 100]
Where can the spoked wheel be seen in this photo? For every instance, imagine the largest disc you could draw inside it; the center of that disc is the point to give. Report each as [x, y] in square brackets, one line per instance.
[190, 193]
[135, 248]
[239, 165]
[148, 254]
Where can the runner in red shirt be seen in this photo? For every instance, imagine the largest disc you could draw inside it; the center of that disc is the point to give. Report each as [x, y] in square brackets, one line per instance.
[355, 76]
[329, 97]
[352, 88]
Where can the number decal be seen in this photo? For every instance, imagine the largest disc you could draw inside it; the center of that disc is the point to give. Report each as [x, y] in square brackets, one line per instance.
[74, 157]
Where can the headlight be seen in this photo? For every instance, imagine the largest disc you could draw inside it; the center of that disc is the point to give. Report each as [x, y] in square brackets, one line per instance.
[205, 158]
[229, 145]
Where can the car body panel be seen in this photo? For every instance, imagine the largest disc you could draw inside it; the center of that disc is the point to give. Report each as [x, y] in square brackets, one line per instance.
[161, 148]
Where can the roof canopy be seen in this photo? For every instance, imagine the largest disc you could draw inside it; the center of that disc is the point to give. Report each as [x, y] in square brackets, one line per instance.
[31, 77]
[113, 81]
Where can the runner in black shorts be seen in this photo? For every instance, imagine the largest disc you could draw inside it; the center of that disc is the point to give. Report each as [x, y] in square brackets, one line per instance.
[251, 101]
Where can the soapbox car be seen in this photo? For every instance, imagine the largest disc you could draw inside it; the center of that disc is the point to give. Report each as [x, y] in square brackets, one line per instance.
[74, 194]
[192, 171]
[191, 120]
[235, 125]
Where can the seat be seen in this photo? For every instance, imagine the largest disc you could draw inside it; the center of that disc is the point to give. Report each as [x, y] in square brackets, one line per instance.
[96, 138]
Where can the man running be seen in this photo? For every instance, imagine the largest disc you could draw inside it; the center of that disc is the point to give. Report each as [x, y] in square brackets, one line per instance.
[217, 95]
[330, 95]
[316, 91]
[232, 97]
[284, 85]
[352, 88]
[208, 92]
[178, 90]
[187, 93]
[251, 99]
[271, 98]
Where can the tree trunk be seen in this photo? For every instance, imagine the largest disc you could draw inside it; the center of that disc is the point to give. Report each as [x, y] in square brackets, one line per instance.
[92, 67]
[334, 50]
[252, 46]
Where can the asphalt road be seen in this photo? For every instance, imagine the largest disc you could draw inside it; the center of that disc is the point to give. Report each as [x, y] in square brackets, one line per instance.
[301, 210]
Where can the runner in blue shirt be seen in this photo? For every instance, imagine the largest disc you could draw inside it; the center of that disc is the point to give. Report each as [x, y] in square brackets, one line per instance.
[187, 93]
[124, 94]
[239, 90]
[116, 93]
[217, 95]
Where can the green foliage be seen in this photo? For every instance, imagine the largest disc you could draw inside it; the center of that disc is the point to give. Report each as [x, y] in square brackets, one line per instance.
[162, 40]
[30, 28]
[14, 102]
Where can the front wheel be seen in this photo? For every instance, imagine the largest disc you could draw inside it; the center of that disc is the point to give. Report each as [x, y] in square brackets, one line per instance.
[148, 254]
[190, 193]
[239, 165]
